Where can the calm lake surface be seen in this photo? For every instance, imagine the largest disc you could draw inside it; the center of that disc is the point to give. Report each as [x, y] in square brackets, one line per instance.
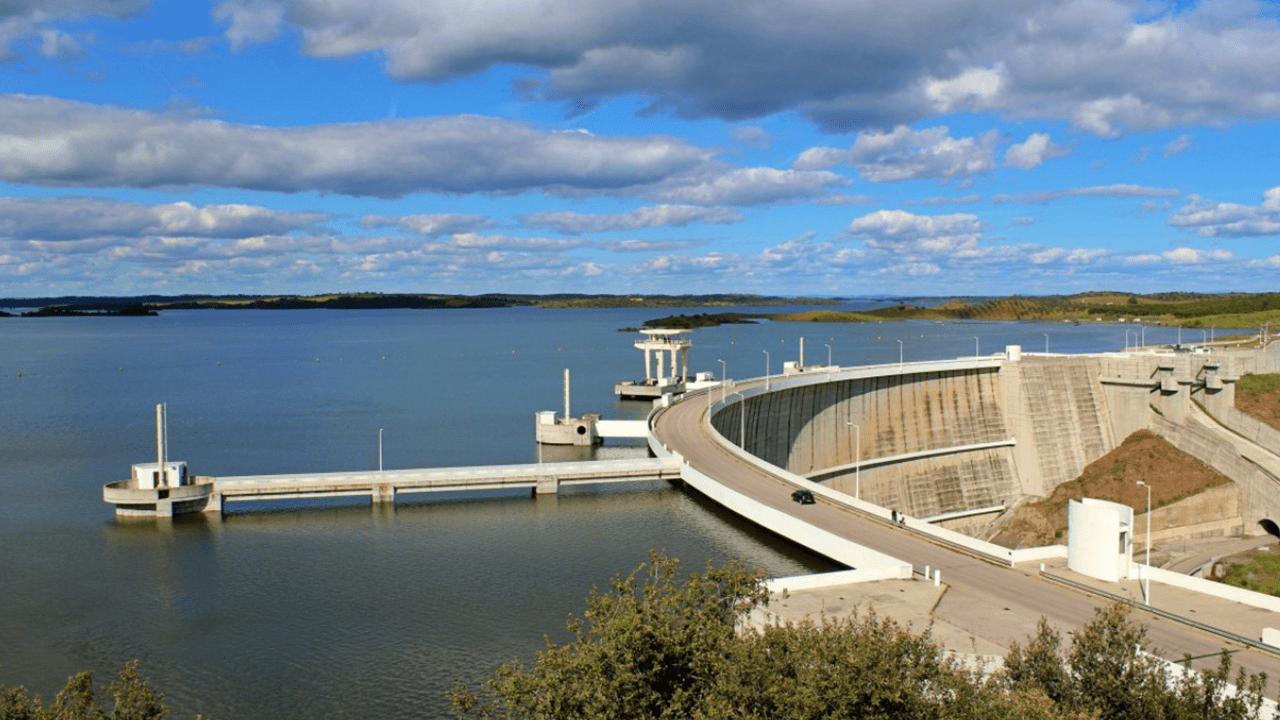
[340, 611]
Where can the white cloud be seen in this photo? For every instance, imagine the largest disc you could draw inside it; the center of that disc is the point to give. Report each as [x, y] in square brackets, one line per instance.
[1214, 219]
[55, 43]
[973, 88]
[906, 154]
[254, 21]
[751, 135]
[573, 223]
[1177, 146]
[75, 218]
[430, 225]
[1108, 66]
[899, 229]
[1032, 152]
[1183, 256]
[52, 142]
[748, 186]
[1267, 263]
[944, 200]
[21, 19]
[1119, 190]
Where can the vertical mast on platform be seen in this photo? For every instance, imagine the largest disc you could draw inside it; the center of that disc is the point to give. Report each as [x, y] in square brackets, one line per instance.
[162, 439]
[566, 395]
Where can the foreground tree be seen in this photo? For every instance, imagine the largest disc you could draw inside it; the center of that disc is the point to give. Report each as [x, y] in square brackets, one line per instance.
[656, 646]
[1110, 672]
[132, 699]
[649, 648]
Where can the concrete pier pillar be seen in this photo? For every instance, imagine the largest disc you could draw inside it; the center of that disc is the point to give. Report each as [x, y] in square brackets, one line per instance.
[547, 485]
[383, 493]
[214, 504]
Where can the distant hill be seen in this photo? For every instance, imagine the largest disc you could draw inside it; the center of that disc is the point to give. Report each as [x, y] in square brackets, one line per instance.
[1185, 309]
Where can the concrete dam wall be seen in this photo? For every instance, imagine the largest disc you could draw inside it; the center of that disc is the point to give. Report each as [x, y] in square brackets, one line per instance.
[822, 430]
[941, 441]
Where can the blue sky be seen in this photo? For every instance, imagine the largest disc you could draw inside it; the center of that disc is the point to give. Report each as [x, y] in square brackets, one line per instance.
[831, 147]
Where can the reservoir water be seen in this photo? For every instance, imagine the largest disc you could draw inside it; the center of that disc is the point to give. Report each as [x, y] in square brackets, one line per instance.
[342, 611]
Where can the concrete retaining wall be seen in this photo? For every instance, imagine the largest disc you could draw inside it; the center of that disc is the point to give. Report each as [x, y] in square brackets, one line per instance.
[1210, 587]
[1212, 513]
[794, 583]
[1259, 490]
[1249, 427]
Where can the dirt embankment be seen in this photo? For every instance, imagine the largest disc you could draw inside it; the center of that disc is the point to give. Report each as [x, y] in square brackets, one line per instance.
[1145, 456]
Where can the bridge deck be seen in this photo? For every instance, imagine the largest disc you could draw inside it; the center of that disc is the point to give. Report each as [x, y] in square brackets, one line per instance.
[543, 477]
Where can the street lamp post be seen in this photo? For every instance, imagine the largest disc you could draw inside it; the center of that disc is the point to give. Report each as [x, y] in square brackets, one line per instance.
[379, 449]
[1046, 343]
[977, 348]
[742, 418]
[766, 369]
[899, 353]
[724, 378]
[857, 463]
[1146, 572]
[828, 356]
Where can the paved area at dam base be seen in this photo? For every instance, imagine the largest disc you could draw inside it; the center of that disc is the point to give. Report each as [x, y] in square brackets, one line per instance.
[970, 628]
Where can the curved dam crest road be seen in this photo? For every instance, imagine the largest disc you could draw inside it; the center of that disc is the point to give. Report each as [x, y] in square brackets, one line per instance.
[993, 602]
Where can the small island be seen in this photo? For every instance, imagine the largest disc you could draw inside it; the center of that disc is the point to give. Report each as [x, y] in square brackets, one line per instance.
[97, 310]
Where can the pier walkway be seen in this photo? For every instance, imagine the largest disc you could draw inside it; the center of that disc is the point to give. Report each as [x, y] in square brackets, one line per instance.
[383, 486]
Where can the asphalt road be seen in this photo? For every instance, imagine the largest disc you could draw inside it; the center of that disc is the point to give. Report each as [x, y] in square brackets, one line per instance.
[997, 603]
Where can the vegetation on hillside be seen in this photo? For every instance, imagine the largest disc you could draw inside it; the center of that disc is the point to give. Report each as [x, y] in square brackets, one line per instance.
[1185, 309]
[1257, 570]
[1259, 396]
[381, 301]
[658, 646]
[1171, 473]
[95, 309]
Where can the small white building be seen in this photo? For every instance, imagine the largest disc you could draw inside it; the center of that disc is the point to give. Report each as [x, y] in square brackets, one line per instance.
[151, 476]
[1100, 539]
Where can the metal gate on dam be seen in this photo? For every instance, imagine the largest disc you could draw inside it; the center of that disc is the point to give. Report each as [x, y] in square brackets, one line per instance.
[952, 437]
